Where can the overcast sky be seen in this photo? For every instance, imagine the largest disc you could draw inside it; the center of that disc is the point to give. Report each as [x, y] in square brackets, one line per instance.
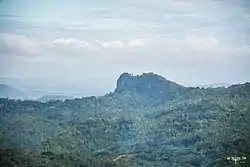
[90, 43]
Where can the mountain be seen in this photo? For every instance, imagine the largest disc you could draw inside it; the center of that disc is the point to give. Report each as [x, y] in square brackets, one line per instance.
[13, 93]
[38, 87]
[147, 121]
[7, 91]
[151, 86]
[147, 82]
[46, 98]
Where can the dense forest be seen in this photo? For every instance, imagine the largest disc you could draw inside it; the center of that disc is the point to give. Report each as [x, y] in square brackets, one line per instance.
[146, 121]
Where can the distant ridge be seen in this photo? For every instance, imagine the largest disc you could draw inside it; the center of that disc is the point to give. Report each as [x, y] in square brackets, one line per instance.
[7, 91]
[216, 85]
[46, 98]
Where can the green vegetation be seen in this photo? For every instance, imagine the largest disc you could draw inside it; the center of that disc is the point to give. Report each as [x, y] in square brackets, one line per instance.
[147, 121]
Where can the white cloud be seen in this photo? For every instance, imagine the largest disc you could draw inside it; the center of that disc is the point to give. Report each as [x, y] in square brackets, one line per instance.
[242, 51]
[70, 42]
[136, 43]
[118, 44]
[202, 43]
[17, 44]
[73, 43]
[111, 44]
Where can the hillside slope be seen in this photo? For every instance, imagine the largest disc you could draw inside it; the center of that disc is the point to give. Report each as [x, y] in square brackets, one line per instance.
[146, 121]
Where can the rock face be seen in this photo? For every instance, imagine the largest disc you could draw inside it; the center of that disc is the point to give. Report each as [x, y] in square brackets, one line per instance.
[150, 85]
[125, 82]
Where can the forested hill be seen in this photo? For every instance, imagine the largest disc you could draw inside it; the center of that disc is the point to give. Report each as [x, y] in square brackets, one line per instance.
[147, 121]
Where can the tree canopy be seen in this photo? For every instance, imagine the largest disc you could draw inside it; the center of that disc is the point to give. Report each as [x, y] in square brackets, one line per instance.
[146, 121]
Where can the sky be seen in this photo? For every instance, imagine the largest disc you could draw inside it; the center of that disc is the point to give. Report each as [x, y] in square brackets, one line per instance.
[88, 44]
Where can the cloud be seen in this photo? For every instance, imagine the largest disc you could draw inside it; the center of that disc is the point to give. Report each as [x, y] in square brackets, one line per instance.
[190, 43]
[17, 45]
[111, 44]
[136, 43]
[242, 51]
[178, 3]
[118, 44]
[202, 43]
[73, 43]
[70, 42]
[246, 16]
